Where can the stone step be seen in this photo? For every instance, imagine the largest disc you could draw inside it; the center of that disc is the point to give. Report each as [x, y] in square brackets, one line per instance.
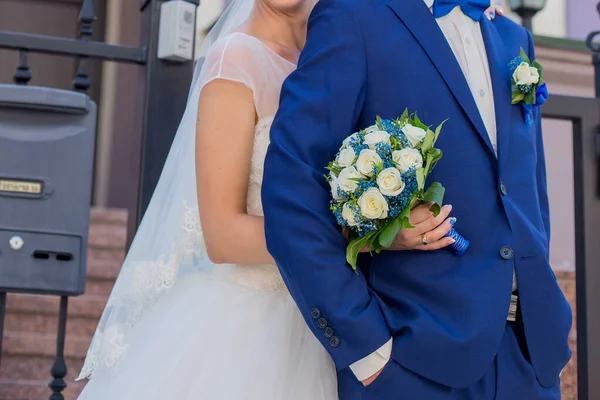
[36, 368]
[28, 389]
[113, 216]
[43, 344]
[85, 306]
[41, 323]
[104, 264]
[107, 236]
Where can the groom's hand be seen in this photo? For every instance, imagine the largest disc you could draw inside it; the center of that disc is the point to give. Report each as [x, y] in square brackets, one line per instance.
[372, 379]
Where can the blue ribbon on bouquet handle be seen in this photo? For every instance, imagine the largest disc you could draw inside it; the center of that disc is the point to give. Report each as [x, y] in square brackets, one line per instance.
[460, 245]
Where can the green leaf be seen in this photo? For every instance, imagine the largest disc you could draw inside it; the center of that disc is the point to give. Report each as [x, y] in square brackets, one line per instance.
[540, 69]
[524, 55]
[530, 97]
[404, 217]
[431, 158]
[404, 114]
[416, 200]
[428, 140]
[420, 172]
[354, 248]
[518, 98]
[417, 122]
[388, 234]
[438, 130]
[435, 193]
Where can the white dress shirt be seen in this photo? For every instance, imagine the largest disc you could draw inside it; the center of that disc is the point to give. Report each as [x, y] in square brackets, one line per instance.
[466, 41]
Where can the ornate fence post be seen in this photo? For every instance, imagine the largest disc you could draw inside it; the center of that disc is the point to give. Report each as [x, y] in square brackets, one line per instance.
[86, 17]
[595, 49]
[22, 74]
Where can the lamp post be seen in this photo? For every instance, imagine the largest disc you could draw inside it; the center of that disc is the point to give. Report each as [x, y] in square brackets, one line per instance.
[526, 9]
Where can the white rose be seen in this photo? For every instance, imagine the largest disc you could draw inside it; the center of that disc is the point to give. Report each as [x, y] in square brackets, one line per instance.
[346, 141]
[371, 129]
[346, 157]
[406, 159]
[345, 179]
[333, 182]
[526, 75]
[373, 205]
[348, 215]
[414, 134]
[374, 137]
[366, 161]
[390, 182]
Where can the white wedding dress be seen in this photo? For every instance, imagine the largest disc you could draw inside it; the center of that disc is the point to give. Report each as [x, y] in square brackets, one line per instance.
[234, 333]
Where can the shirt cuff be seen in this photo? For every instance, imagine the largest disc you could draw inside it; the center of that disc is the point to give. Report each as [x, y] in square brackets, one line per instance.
[371, 364]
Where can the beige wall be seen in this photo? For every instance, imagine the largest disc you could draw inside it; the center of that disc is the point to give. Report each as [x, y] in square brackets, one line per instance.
[551, 21]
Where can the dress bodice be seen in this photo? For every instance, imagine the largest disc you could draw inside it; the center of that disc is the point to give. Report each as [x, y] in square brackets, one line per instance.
[261, 144]
[262, 277]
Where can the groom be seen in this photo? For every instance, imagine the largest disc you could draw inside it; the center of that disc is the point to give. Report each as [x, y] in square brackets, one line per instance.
[421, 325]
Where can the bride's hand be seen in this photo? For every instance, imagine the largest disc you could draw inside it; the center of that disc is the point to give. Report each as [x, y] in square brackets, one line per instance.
[428, 232]
[492, 11]
[426, 228]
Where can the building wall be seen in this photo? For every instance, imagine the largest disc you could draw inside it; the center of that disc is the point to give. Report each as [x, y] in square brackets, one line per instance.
[551, 21]
[582, 18]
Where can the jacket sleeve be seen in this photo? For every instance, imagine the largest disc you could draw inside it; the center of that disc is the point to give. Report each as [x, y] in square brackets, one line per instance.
[542, 186]
[320, 105]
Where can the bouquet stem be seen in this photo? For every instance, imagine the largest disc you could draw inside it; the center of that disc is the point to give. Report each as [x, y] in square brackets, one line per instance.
[460, 245]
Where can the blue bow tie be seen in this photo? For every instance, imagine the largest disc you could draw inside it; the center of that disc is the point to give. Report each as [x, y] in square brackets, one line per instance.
[472, 8]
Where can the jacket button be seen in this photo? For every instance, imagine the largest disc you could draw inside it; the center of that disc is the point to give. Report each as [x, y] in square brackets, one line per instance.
[503, 188]
[506, 253]
[315, 313]
[328, 332]
[334, 341]
[322, 323]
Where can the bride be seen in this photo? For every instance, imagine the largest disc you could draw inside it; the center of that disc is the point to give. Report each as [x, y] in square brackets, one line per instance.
[176, 325]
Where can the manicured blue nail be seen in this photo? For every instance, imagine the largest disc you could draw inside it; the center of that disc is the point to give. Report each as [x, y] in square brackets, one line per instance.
[452, 221]
[492, 14]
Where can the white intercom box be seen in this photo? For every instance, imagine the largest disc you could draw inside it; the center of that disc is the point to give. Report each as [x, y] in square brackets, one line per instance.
[176, 31]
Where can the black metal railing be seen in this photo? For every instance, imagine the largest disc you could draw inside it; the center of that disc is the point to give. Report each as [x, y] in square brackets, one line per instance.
[83, 48]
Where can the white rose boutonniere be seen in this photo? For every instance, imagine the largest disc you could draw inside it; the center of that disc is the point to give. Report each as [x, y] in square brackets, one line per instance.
[527, 84]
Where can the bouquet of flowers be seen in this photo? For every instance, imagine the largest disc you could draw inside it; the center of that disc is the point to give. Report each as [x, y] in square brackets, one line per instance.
[378, 176]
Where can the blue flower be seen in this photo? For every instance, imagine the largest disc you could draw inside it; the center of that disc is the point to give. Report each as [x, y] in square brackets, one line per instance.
[525, 88]
[384, 151]
[515, 62]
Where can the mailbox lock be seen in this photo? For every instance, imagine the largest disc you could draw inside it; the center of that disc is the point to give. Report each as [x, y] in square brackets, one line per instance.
[16, 243]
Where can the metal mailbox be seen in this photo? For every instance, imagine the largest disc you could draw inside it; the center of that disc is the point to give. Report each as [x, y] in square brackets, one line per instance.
[47, 139]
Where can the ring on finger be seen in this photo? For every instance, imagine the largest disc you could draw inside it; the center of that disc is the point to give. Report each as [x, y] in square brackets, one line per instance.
[424, 239]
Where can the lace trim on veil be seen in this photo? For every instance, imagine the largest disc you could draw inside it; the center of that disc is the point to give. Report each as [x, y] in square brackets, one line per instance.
[149, 280]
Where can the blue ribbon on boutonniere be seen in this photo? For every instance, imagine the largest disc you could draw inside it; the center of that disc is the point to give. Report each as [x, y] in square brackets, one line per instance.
[527, 85]
[541, 95]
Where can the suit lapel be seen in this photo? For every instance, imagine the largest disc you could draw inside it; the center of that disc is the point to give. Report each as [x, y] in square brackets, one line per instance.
[418, 19]
[500, 75]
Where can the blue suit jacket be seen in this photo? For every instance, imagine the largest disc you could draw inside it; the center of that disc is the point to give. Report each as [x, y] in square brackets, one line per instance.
[447, 314]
